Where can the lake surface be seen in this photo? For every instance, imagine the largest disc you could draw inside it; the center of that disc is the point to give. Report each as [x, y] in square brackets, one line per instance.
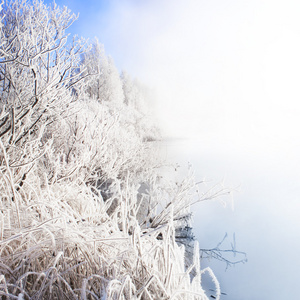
[263, 212]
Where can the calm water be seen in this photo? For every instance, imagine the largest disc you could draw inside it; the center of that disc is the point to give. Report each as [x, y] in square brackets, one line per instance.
[264, 215]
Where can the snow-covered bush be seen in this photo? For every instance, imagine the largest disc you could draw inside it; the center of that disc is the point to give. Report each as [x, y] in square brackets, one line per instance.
[84, 213]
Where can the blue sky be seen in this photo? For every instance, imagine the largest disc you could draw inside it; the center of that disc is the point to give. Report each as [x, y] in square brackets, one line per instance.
[91, 15]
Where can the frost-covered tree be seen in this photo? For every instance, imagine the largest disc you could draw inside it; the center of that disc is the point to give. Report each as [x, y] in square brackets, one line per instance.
[135, 94]
[137, 99]
[104, 84]
[124, 96]
[37, 69]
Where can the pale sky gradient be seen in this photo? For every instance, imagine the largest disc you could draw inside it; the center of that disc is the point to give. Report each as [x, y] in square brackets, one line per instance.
[227, 70]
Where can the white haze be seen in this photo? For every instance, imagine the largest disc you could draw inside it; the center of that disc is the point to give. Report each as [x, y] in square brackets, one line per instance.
[227, 75]
[224, 70]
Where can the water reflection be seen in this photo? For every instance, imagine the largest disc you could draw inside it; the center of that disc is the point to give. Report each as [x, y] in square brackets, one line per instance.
[264, 217]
